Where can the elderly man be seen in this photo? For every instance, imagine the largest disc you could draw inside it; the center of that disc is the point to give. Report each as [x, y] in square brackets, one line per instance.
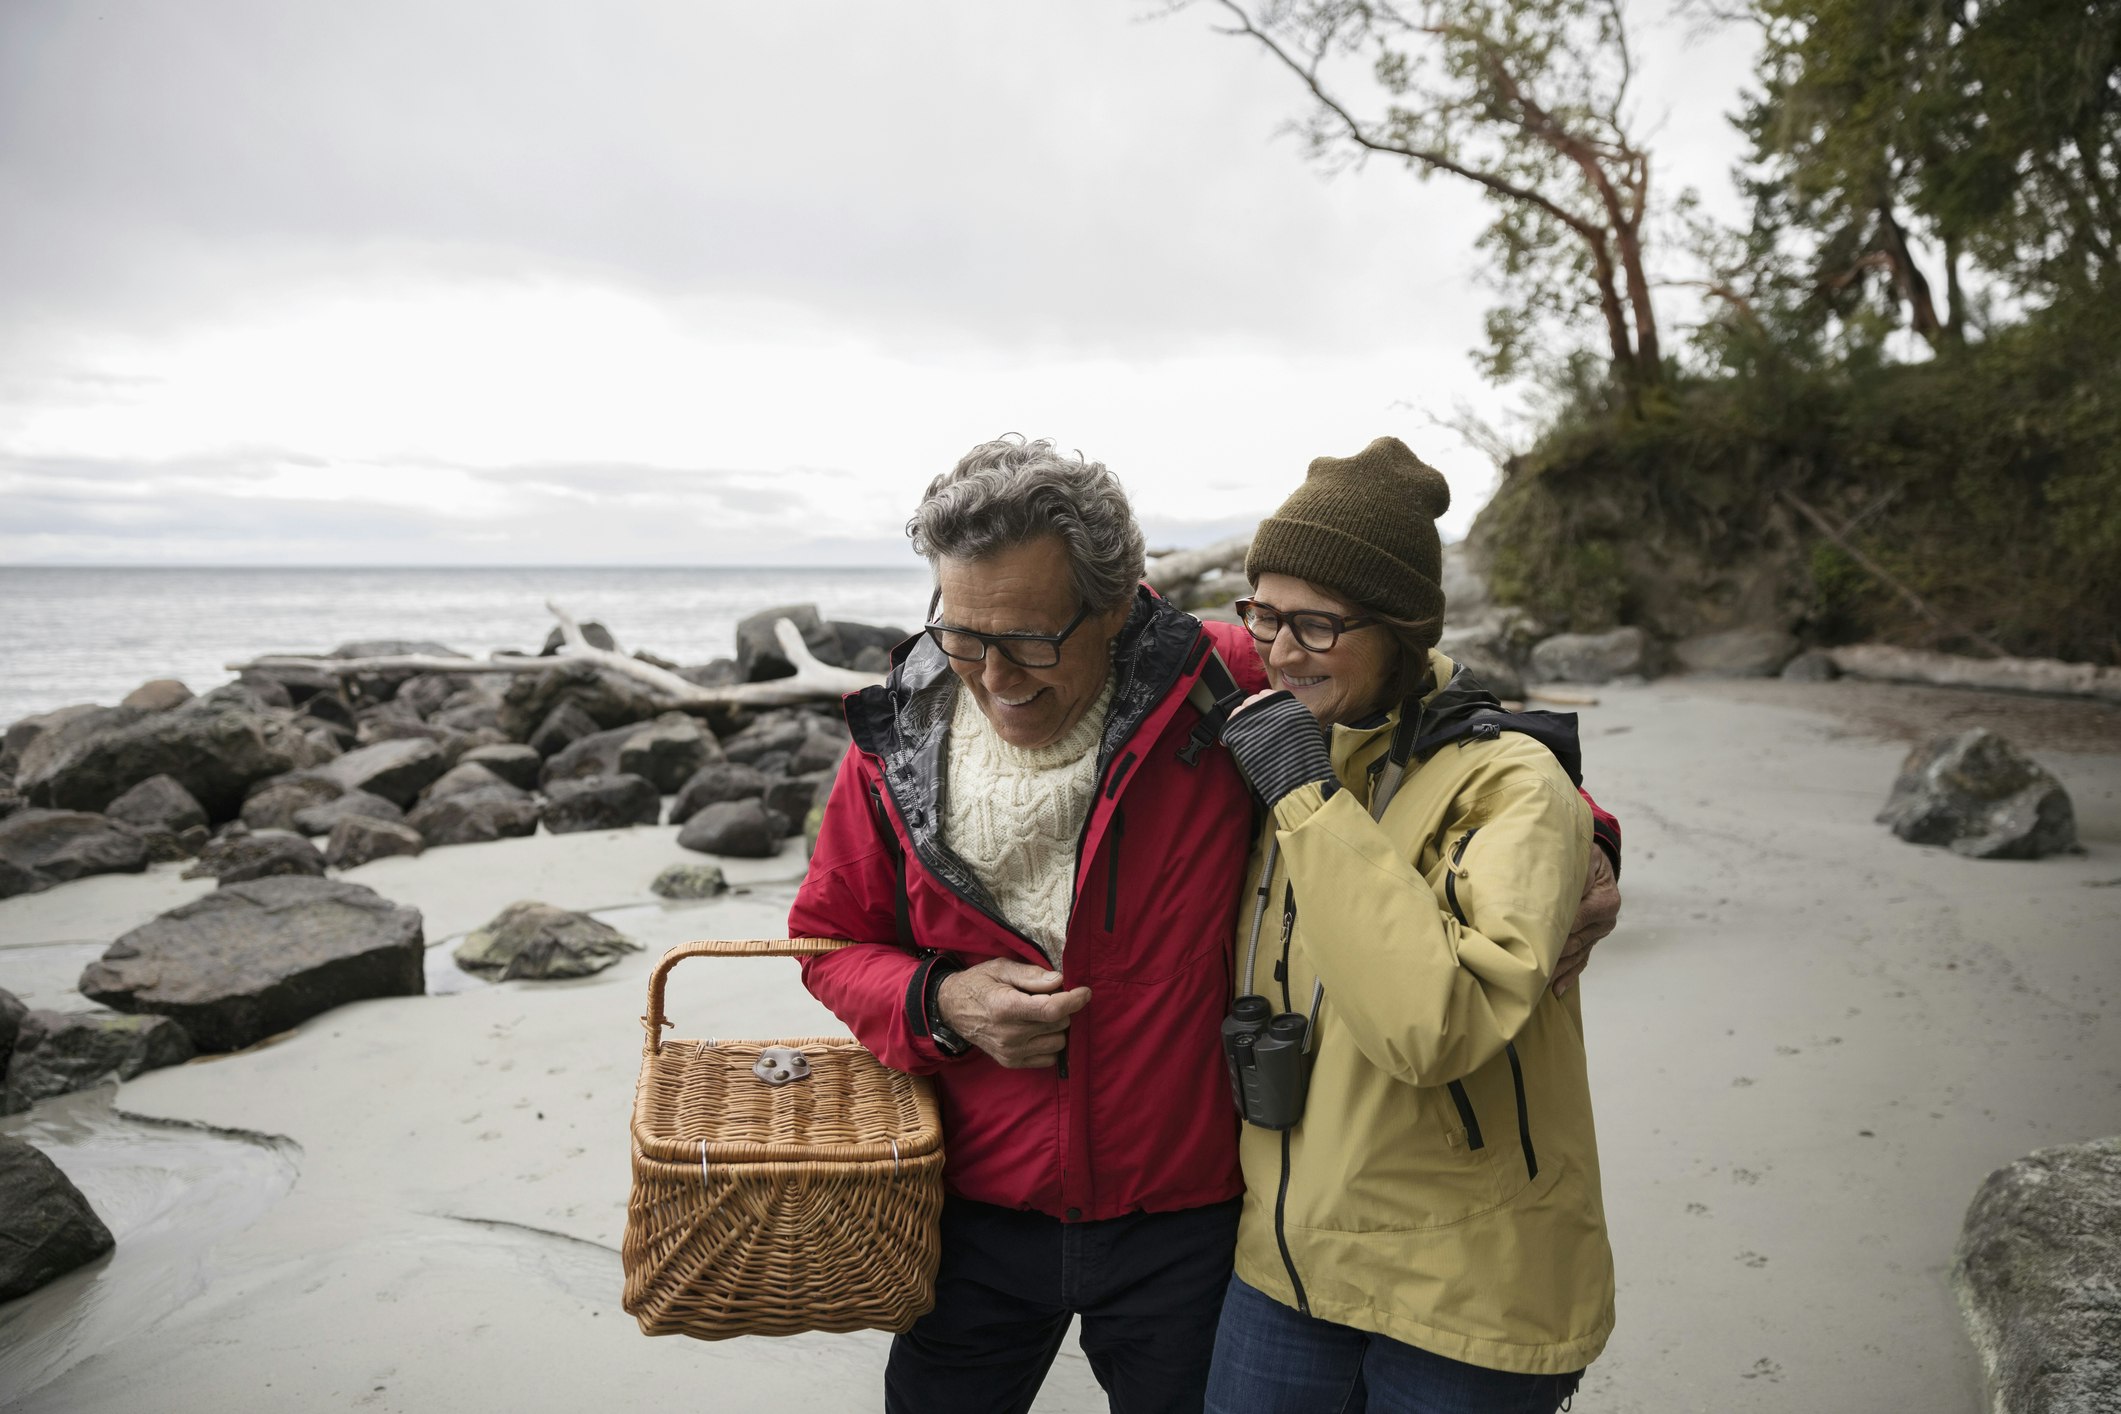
[1040, 845]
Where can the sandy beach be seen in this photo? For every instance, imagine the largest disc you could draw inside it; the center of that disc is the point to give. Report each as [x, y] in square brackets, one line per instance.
[1810, 1042]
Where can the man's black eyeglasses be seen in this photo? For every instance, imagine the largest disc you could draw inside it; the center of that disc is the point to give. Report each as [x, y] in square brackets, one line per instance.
[1315, 629]
[1026, 650]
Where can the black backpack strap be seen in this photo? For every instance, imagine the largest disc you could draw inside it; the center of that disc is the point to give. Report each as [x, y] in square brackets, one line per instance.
[1216, 694]
[897, 852]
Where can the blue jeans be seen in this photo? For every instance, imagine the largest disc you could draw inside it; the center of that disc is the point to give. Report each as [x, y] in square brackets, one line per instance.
[1270, 1359]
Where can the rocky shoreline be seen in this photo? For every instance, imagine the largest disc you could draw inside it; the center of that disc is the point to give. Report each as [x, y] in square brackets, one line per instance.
[275, 783]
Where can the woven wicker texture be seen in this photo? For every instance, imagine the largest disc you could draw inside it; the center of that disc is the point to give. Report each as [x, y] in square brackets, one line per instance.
[770, 1209]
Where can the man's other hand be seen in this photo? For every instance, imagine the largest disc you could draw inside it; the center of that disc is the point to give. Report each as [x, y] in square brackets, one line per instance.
[1595, 917]
[1013, 1011]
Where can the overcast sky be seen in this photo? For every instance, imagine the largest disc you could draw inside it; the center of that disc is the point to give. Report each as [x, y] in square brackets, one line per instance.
[694, 282]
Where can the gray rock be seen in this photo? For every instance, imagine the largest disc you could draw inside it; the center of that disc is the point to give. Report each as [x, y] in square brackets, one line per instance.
[537, 942]
[12, 1010]
[593, 633]
[596, 754]
[426, 693]
[601, 803]
[296, 684]
[1591, 657]
[1481, 652]
[396, 770]
[515, 764]
[710, 785]
[40, 848]
[158, 695]
[775, 732]
[667, 750]
[1810, 666]
[476, 817]
[214, 749]
[57, 1053]
[450, 742]
[250, 960]
[719, 672]
[358, 838]
[792, 797]
[689, 881]
[1465, 586]
[28, 729]
[857, 640]
[607, 698]
[278, 803]
[466, 776]
[2038, 1273]
[330, 707]
[1736, 653]
[1983, 797]
[168, 846]
[354, 805]
[261, 854]
[158, 803]
[739, 829]
[820, 751]
[47, 1228]
[473, 718]
[758, 652]
[564, 725]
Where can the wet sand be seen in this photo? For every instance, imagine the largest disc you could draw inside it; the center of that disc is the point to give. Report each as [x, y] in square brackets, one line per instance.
[1810, 1042]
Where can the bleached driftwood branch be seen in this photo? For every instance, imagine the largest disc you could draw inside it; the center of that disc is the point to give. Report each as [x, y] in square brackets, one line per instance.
[1884, 663]
[812, 679]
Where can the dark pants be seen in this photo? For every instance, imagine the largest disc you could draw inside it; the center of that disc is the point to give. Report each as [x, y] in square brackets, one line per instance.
[1271, 1359]
[1148, 1286]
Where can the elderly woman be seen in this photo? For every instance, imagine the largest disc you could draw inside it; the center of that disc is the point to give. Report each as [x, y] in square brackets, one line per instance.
[1039, 846]
[1422, 1225]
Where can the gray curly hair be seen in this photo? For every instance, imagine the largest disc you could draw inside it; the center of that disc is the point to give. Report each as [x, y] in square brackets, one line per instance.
[1009, 491]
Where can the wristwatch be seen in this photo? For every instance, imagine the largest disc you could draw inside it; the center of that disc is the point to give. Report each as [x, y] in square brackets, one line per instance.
[933, 969]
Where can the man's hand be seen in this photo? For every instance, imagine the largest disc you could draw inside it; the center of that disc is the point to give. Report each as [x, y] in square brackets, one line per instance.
[1013, 1011]
[1595, 918]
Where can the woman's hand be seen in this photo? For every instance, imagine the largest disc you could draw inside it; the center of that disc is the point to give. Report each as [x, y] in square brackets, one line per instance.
[1277, 745]
[1595, 917]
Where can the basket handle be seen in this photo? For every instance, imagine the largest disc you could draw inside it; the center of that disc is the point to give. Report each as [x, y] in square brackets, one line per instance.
[654, 1022]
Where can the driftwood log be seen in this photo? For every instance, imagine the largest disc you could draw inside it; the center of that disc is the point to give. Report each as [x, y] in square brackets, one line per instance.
[813, 680]
[2050, 676]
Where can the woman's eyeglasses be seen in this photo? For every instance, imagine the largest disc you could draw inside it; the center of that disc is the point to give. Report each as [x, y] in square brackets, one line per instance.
[1026, 650]
[1315, 629]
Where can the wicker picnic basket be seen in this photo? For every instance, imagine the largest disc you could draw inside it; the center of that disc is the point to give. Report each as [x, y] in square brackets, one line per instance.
[764, 1209]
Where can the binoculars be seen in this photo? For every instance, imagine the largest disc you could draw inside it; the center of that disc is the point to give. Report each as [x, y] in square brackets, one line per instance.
[1270, 1066]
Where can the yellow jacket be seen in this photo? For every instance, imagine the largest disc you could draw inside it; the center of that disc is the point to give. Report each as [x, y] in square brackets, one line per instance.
[1442, 1185]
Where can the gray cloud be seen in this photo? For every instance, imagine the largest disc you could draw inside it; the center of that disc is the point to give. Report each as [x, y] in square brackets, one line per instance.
[1021, 177]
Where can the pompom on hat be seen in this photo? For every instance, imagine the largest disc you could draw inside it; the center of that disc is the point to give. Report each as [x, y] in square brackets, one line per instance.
[1363, 527]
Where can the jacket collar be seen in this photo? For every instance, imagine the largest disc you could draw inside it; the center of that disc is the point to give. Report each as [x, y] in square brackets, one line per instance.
[905, 722]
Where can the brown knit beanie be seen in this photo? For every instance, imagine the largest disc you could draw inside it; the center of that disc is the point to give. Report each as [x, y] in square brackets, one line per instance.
[1365, 528]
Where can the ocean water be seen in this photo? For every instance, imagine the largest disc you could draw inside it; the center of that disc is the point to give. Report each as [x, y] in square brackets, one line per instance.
[93, 635]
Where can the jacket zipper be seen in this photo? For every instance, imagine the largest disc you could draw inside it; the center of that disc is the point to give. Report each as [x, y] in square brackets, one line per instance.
[1458, 1094]
[1281, 1194]
[1113, 836]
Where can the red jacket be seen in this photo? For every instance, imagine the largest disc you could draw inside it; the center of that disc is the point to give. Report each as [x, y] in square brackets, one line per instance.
[1138, 1116]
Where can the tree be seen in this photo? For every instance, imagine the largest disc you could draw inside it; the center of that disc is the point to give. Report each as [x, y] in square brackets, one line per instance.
[1988, 130]
[1527, 100]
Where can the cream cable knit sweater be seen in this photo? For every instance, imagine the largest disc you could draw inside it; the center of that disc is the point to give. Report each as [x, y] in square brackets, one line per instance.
[1014, 814]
